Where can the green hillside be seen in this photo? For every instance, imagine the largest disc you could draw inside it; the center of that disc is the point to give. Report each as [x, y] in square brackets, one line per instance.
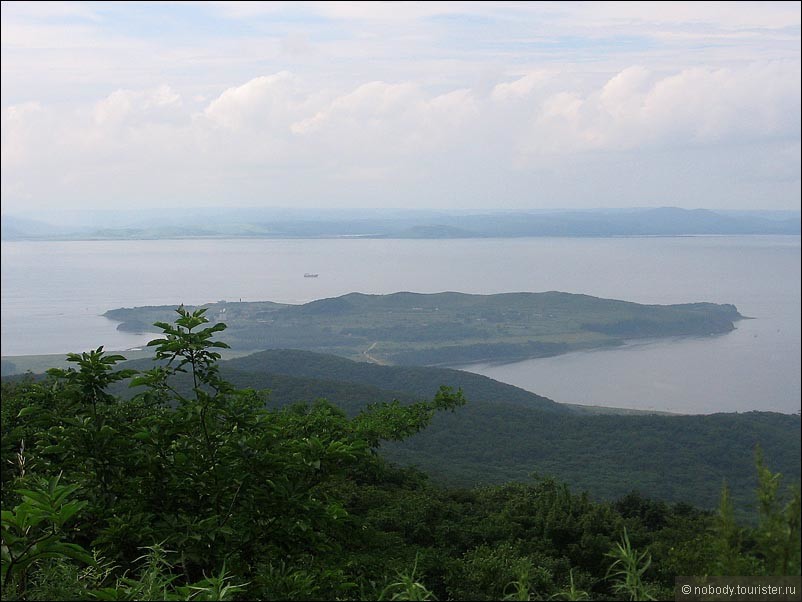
[671, 458]
[193, 488]
[505, 433]
[414, 382]
[447, 328]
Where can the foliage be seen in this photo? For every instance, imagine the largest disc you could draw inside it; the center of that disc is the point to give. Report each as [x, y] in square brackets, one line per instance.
[90, 381]
[778, 532]
[628, 570]
[571, 591]
[155, 581]
[728, 540]
[35, 529]
[505, 433]
[193, 489]
[406, 587]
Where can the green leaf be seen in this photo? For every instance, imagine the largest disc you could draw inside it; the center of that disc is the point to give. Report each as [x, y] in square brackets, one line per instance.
[74, 551]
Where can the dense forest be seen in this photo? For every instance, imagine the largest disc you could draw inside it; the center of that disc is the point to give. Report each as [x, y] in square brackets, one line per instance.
[193, 488]
[507, 433]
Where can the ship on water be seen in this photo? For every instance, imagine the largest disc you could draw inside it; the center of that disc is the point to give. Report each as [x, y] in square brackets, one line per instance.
[308, 275]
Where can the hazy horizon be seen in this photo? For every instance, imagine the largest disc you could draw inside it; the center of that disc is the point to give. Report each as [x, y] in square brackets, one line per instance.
[288, 222]
[89, 215]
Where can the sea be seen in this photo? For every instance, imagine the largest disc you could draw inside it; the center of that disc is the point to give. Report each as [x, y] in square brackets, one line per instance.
[54, 295]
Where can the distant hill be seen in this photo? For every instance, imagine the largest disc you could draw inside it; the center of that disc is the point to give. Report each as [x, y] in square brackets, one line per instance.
[664, 221]
[293, 375]
[266, 223]
[413, 383]
[447, 328]
[18, 228]
[7, 368]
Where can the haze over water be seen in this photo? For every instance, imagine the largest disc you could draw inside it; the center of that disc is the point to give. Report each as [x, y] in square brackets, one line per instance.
[54, 292]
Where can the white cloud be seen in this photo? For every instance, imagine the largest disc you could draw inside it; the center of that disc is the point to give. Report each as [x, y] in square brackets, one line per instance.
[520, 88]
[722, 14]
[368, 106]
[262, 99]
[20, 136]
[622, 95]
[123, 106]
[638, 109]
[51, 10]
[302, 102]
[398, 131]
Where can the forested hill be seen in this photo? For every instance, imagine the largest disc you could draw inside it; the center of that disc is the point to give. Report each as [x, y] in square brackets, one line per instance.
[402, 381]
[667, 457]
[505, 433]
[292, 375]
[447, 328]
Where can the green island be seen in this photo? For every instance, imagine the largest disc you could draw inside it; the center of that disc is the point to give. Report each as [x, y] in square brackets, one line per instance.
[447, 328]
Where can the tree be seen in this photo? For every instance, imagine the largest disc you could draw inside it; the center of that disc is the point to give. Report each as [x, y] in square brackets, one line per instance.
[196, 466]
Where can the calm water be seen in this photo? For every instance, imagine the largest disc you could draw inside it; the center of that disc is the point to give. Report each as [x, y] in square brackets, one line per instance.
[54, 292]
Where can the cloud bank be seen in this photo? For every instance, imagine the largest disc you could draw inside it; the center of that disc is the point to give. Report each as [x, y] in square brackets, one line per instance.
[502, 127]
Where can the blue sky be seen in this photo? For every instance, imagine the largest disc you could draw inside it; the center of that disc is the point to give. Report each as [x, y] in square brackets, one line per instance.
[455, 105]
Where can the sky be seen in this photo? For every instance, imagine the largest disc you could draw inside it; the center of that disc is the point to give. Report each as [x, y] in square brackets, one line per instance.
[424, 105]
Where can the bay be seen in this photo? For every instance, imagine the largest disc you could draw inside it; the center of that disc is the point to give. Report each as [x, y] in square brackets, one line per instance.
[53, 295]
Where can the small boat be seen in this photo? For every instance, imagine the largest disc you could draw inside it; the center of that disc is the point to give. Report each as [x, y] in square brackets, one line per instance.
[308, 275]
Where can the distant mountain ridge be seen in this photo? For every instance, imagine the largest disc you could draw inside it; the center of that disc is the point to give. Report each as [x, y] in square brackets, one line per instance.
[663, 221]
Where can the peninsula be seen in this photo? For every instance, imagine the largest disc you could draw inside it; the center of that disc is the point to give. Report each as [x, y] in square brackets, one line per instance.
[446, 328]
